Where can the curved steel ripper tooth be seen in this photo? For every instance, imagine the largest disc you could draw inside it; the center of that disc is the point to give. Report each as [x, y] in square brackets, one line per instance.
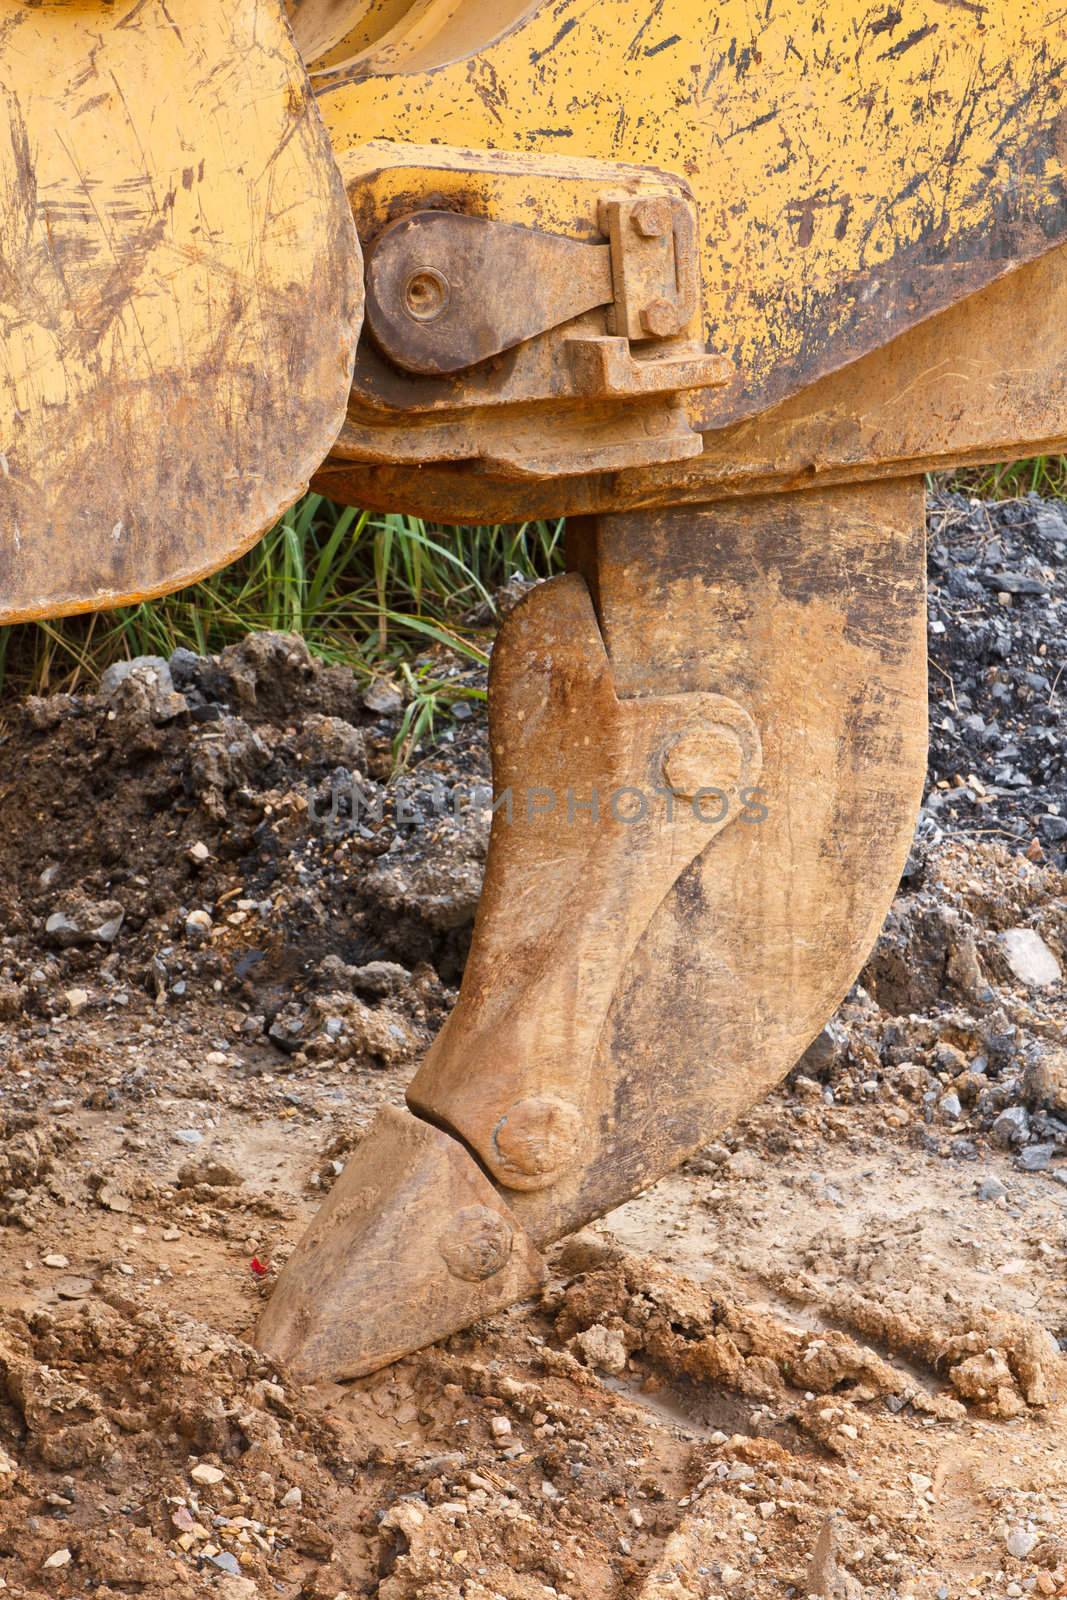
[610, 801]
[633, 986]
[412, 1244]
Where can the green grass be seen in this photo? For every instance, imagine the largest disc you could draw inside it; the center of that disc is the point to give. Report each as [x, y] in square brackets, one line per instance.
[1043, 475]
[366, 590]
[376, 592]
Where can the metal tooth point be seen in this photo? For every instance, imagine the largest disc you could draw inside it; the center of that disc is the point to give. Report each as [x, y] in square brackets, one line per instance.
[370, 1280]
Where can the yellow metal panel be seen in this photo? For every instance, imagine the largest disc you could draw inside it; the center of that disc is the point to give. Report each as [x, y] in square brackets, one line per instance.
[858, 166]
[180, 293]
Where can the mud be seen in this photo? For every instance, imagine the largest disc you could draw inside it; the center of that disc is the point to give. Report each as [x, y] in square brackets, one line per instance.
[826, 1357]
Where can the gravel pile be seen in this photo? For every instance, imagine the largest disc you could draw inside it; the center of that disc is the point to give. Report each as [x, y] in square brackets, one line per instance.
[998, 670]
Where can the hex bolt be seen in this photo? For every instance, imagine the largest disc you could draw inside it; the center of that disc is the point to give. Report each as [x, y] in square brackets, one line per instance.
[476, 1244]
[651, 218]
[659, 319]
[538, 1137]
[426, 294]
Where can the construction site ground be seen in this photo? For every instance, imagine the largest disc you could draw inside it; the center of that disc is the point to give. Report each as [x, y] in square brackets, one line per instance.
[826, 1357]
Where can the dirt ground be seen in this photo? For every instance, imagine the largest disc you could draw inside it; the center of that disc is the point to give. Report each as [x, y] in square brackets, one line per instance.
[824, 1358]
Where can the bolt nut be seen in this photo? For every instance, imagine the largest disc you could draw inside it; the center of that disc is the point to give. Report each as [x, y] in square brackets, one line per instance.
[706, 758]
[651, 218]
[538, 1137]
[476, 1244]
[659, 319]
[426, 294]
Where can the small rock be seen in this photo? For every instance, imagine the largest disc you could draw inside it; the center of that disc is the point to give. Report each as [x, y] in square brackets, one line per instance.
[58, 1558]
[825, 1052]
[584, 1252]
[500, 1427]
[383, 698]
[991, 1188]
[1011, 1127]
[910, 1078]
[198, 927]
[56, 1262]
[287, 1030]
[602, 1348]
[1045, 1083]
[806, 1088]
[77, 1000]
[293, 1497]
[1020, 1542]
[987, 1379]
[203, 1472]
[146, 666]
[950, 1107]
[74, 1288]
[949, 1058]
[744, 1164]
[8, 1472]
[188, 1136]
[198, 853]
[82, 921]
[1035, 1158]
[332, 742]
[216, 1174]
[229, 1588]
[1030, 958]
[225, 1561]
[827, 1576]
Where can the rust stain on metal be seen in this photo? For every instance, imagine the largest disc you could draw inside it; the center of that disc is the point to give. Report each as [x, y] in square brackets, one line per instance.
[445, 292]
[982, 382]
[712, 277]
[180, 296]
[911, 145]
[412, 1244]
[519, 1051]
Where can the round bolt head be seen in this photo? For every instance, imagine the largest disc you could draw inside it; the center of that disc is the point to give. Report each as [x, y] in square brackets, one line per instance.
[538, 1137]
[705, 758]
[426, 294]
[476, 1244]
[659, 319]
[651, 218]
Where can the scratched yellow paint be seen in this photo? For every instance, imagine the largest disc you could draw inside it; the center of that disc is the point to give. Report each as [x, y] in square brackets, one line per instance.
[852, 161]
[180, 292]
